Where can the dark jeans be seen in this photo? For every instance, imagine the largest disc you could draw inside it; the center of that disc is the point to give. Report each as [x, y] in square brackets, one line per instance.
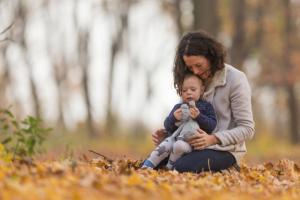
[203, 160]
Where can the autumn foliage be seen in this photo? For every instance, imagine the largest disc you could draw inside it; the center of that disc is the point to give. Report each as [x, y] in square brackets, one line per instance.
[101, 178]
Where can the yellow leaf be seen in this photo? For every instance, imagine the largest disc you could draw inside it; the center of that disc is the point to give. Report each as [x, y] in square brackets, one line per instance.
[134, 179]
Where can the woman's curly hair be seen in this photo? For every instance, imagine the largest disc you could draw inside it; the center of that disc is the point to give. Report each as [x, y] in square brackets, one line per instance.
[197, 43]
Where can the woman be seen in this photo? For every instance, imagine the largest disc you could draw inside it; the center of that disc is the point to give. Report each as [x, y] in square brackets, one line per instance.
[228, 90]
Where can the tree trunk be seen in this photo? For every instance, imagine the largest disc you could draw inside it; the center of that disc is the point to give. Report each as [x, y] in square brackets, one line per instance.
[110, 118]
[292, 102]
[21, 18]
[293, 108]
[177, 17]
[5, 79]
[84, 63]
[59, 78]
[206, 16]
[238, 49]
[34, 90]
[117, 42]
[83, 59]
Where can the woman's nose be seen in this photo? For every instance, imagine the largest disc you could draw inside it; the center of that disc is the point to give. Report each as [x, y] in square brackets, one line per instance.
[195, 70]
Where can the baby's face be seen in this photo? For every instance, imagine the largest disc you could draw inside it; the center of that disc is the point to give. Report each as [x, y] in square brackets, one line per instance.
[192, 89]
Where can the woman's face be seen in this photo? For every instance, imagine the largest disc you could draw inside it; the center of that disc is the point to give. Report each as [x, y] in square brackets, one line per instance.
[199, 65]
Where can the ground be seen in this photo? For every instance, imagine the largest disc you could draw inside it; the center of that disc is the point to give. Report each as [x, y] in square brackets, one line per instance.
[270, 170]
[102, 178]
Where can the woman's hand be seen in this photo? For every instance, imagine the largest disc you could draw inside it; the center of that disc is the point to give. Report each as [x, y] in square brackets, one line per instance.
[178, 114]
[158, 136]
[194, 112]
[202, 140]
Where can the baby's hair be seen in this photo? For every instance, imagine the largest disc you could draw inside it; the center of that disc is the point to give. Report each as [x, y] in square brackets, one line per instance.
[190, 74]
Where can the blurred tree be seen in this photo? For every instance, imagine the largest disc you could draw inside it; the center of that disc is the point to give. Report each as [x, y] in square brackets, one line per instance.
[84, 63]
[278, 71]
[247, 31]
[288, 39]
[59, 64]
[250, 29]
[5, 79]
[206, 16]
[190, 15]
[21, 14]
[238, 48]
[60, 73]
[83, 38]
[174, 9]
[118, 12]
[178, 17]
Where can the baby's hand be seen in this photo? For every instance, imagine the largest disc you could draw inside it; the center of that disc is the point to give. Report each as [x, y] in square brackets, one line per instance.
[194, 112]
[178, 114]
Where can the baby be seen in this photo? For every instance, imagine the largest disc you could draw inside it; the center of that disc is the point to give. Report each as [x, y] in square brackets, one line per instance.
[182, 122]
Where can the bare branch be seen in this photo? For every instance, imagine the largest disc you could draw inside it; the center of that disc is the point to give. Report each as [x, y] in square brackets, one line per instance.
[7, 39]
[101, 155]
[7, 28]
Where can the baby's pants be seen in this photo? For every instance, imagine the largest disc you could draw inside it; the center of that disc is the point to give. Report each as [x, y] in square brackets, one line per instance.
[180, 147]
[169, 147]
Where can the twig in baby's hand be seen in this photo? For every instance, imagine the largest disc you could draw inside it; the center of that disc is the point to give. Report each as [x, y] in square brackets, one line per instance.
[192, 104]
[99, 154]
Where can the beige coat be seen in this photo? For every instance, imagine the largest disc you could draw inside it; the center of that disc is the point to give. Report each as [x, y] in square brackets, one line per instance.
[230, 94]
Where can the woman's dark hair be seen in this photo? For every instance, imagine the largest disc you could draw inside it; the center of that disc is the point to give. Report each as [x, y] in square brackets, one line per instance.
[197, 43]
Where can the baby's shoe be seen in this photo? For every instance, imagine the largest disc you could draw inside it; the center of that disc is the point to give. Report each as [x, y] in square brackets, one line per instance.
[147, 165]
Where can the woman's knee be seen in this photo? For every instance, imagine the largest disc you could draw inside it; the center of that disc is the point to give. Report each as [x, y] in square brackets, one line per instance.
[180, 166]
[205, 160]
[183, 165]
[195, 167]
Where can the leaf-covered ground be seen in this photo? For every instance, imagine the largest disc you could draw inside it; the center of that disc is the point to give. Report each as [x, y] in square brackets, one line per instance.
[121, 179]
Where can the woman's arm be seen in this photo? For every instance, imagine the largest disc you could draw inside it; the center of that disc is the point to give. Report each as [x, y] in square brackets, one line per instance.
[201, 140]
[158, 136]
[241, 108]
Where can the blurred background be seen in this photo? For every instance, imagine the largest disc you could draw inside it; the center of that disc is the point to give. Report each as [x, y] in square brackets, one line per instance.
[99, 72]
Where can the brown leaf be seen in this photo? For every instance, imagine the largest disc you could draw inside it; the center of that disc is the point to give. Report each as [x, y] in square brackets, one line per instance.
[269, 166]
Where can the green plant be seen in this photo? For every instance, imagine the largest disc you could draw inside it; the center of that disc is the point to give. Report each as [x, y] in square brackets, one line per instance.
[21, 139]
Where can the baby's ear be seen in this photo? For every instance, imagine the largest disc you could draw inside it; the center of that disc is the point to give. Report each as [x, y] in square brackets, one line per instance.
[202, 89]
